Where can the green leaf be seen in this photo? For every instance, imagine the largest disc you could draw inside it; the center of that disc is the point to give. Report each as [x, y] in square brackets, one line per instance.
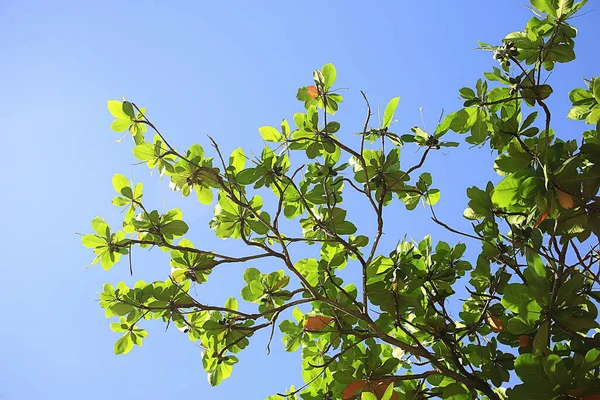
[144, 151]
[119, 327]
[530, 187]
[519, 325]
[592, 360]
[108, 259]
[581, 97]
[390, 109]
[231, 304]
[593, 117]
[205, 195]
[285, 129]
[456, 391]
[121, 186]
[545, 91]
[175, 228]
[517, 299]
[561, 53]
[506, 193]
[557, 372]
[419, 132]
[433, 196]
[530, 392]
[462, 121]
[101, 227]
[121, 309]
[529, 368]
[546, 6]
[120, 125]
[251, 274]
[563, 7]
[237, 160]
[388, 392]
[92, 241]
[124, 344]
[329, 74]
[332, 127]
[215, 377]
[536, 276]
[222, 370]
[480, 129]
[318, 78]
[596, 89]
[515, 295]
[540, 340]
[270, 134]
[466, 93]
[247, 176]
[578, 113]
[367, 396]
[115, 107]
[128, 109]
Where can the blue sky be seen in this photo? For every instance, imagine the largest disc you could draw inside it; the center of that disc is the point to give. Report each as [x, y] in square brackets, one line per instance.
[218, 68]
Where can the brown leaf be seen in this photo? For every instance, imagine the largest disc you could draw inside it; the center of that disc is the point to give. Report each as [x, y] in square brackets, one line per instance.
[524, 341]
[316, 323]
[380, 387]
[565, 200]
[351, 389]
[495, 324]
[377, 387]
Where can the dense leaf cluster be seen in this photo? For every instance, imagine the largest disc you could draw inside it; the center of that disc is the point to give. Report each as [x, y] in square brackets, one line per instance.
[532, 309]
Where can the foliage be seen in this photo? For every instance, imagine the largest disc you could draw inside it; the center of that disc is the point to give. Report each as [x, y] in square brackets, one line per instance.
[532, 309]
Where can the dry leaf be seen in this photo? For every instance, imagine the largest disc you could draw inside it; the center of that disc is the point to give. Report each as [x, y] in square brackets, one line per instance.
[351, 389]
[543, 216]
[313, 324]
[565, 200]
[377, 387]
[495, 324]
[524, 341]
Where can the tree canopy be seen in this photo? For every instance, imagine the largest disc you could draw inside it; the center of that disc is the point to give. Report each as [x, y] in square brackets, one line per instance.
[528, 328]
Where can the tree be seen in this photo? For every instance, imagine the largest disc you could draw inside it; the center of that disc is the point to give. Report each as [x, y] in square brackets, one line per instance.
[532, 290]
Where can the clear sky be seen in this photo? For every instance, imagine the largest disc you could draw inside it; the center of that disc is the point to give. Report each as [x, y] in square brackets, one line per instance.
[218, 68]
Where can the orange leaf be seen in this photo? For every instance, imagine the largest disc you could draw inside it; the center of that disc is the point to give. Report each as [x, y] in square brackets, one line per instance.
[351, 389]
[377, 387]
[495, 324]
[380, 387]
[313, 324]
[565, 200]
[313, 93]
[543, 216]
[524, 340]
